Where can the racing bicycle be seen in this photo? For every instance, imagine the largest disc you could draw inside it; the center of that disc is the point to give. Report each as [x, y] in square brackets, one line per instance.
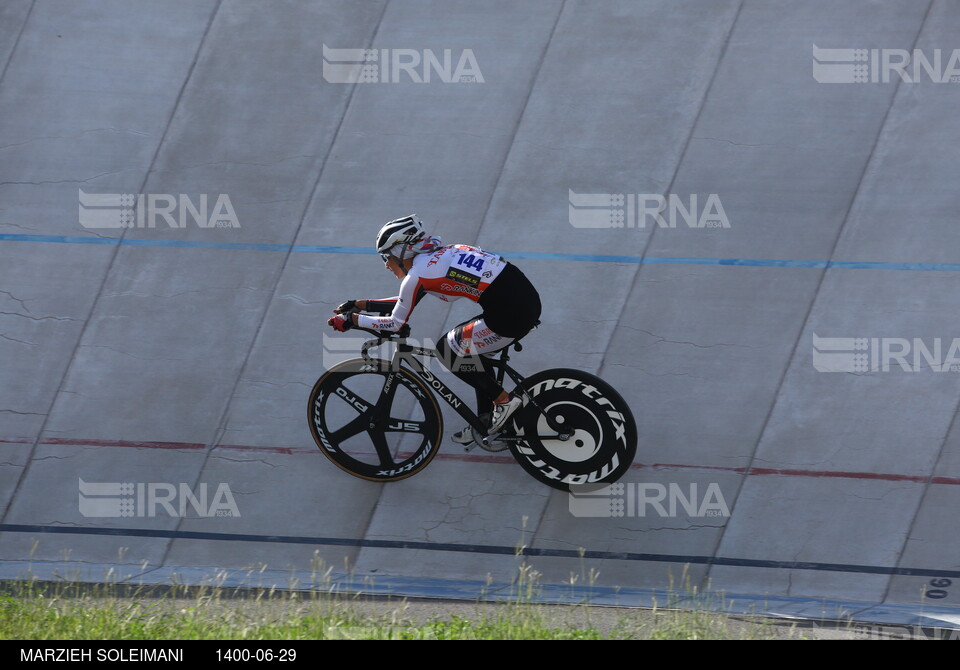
[380, 419]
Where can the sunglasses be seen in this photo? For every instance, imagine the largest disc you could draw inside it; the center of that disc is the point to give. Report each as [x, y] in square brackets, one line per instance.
[385, 257]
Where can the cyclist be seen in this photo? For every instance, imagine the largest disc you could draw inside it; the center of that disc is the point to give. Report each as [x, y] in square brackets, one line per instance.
[511, 307]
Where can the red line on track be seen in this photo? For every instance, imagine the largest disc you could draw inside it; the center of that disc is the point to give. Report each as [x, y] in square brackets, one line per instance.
[488, 458]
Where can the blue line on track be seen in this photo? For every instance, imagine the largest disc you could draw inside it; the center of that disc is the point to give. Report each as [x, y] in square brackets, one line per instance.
[520, 255]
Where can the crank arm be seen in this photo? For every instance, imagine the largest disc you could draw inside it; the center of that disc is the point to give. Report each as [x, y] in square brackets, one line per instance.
[563, 437]
[553, 425]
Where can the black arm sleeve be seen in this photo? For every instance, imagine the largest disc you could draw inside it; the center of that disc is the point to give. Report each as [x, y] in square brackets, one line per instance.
[382, 307]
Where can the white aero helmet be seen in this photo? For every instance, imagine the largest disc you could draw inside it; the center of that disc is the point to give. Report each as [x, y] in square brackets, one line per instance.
[399, 233]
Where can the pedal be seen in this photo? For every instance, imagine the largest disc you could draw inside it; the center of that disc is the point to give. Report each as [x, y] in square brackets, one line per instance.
[489, 442]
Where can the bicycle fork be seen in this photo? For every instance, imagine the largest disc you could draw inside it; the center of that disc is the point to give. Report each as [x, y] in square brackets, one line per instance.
[380, 413]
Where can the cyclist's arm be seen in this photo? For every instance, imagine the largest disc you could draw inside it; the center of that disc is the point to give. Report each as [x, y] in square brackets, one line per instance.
[411, 291]
[382, 306]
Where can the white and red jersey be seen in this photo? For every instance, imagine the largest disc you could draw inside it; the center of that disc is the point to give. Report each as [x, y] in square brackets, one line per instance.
[451, 272]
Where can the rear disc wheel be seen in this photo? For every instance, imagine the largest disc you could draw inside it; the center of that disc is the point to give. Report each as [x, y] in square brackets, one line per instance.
[602, 440]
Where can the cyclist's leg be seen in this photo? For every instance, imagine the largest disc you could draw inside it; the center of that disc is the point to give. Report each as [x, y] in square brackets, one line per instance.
[462, 351]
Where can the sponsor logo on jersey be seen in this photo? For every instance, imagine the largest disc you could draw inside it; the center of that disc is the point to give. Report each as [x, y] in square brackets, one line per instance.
[460, 289]
[463, 278]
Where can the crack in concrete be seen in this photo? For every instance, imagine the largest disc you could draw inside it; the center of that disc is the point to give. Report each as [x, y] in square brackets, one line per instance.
[692, 344]
[881, 497]
[736, 144]
[62, 181]
[141, 358]
[654, 374]
[17, 225]
[559, 147]
[73, 137]
[40, 318]
[246, 461]
[431, 135]
[13, 339]
[140, 294]
[269, 383]
[267, 202]
[296, 298]
[457, 513]
[23, 303]
[235, 162]
[685, 275]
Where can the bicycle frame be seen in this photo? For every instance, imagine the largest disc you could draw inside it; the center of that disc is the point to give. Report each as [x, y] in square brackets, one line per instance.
[408, 353]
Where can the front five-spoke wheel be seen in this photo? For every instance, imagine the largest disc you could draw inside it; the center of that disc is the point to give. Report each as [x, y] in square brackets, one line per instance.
[370, 430]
